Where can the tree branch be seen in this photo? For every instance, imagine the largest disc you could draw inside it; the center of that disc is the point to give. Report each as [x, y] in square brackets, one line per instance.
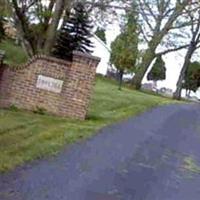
[172, 50]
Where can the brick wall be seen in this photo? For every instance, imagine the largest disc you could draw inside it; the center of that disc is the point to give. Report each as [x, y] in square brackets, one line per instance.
[18, 87]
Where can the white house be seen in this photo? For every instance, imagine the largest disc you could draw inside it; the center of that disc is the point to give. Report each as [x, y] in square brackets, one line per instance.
[103, 51]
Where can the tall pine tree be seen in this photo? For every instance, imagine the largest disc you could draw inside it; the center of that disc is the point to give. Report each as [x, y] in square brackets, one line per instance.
[74, 34]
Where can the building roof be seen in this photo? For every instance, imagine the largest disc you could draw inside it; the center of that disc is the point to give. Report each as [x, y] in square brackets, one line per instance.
[100, 41]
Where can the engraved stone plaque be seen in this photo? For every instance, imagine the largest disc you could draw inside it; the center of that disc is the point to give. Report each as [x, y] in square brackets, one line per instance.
[49, 84]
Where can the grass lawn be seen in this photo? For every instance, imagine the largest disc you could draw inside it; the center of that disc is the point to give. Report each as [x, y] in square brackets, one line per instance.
[14, 53]
[25, 136]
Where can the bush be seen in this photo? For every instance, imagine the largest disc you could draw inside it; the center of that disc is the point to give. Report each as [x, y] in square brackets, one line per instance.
[40, 111]
[14, 108]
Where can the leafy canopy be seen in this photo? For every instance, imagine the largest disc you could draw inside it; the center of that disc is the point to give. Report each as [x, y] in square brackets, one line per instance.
[124, 49]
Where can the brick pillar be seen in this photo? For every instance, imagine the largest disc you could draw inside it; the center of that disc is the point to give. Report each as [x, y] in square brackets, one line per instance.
[79, 86]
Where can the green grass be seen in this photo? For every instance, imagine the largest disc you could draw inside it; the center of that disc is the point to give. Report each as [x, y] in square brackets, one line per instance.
[190, 165]
[14, 53]
[25, 136]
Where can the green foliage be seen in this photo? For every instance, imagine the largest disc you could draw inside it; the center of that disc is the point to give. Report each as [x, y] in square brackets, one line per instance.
[14, 54]
[100, 32]
[36, 34]
[3, 13]
[74, 34]
[158, 71]
[43, 13]
[4, 8]
[13, 108]
[40, 111]
[124, 50]
[25, 136]
[191, 165]
[2, 32]
[192, 77]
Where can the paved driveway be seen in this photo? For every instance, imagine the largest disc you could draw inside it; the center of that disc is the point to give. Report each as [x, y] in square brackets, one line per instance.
[155, 156]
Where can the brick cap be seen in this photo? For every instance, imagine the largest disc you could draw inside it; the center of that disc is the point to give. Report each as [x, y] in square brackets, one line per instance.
[37, 57]
[53, 59]
[86, 55]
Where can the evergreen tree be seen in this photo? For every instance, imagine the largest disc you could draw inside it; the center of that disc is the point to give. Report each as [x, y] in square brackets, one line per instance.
[100, 33]
[74, 34]
[158, 71]
[192, 78]
[63, 47]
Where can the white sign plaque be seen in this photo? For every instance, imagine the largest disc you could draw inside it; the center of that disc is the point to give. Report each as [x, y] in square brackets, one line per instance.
[49, 84]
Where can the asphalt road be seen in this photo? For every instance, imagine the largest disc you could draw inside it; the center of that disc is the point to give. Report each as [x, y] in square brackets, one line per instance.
[155, 156]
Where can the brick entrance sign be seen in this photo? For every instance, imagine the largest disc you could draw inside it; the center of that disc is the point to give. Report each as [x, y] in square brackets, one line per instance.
[59, 87]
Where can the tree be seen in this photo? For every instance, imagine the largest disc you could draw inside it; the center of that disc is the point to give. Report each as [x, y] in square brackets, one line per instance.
[52, 28]
[195, 40]
[74, 34]
[4, 12]
[158, 71]
[4, 8]
[2, 32]
[100, 32]
[158, 20]
[37, 22]
[124, 50]
[63, 47]
[192, 78]
[22, 24]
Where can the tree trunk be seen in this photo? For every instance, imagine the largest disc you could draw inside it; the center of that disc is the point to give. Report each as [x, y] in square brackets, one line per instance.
[193, 46]
[52, 29]
[189, 93]
[155, 84]
[121, 73]
[22, 28]
[45, 24]
[186, 93]
[67, 12]
[191, 49]
[142, 69]
[25, 43]
[158, 34]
